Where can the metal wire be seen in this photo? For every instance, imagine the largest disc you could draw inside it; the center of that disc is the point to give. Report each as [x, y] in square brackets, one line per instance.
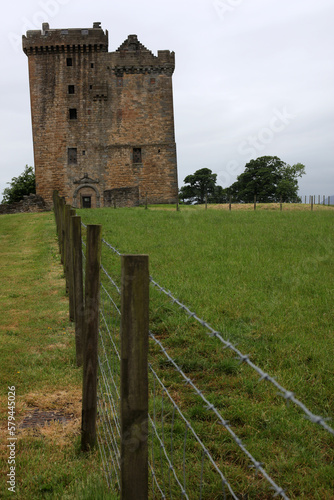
[209, 406]
[108, 421]
[287, 395]
[109, 433]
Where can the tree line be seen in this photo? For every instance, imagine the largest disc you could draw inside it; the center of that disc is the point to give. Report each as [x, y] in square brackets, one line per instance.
[268, 178]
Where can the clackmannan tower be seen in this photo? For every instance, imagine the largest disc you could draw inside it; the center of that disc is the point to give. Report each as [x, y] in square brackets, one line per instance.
[102, 122]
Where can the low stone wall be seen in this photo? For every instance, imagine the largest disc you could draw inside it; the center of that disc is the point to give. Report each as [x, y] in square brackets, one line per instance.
[122, 197]
[31, 203]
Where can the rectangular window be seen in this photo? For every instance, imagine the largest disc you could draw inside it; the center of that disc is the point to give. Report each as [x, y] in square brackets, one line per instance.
[86, 202]
[136, 155]
[92, 65]
[69, 61]
[73, 113]
[71, 89]
[72, 155]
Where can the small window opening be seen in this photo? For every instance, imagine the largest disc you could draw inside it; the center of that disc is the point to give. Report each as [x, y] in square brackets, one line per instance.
[92, 65]
[69, 61]
[72, 155]
[71, 89]
[83, 153]
[73, 114]
[86, 202]
[136, 155]
[90, 87]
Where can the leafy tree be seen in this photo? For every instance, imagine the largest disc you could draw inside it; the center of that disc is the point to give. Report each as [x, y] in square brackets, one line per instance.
[20, 186]
[197, 185]
[269, 178]
[219, 195]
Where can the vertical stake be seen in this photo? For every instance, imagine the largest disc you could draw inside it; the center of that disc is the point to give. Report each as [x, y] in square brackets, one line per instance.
[70, 267]
[77, 285]
[254, 201]
[311, 202]
[134, 377]
[281, 206]
[66, 232]
[230, 204]
[146, 201]
[206, 201]
[90, 337]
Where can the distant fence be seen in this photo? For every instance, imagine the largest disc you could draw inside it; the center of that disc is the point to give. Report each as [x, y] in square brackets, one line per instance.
[148, 446]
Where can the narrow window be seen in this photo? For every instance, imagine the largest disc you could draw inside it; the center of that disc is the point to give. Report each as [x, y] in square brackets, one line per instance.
[72, 155]
[86, 202]
[73, 114]
[90, 87]
[71, 89]
[136, 155]
[92, 65]
[83, 153]
[69, 61]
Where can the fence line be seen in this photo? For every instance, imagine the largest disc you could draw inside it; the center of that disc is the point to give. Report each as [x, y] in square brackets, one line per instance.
[167, 462]
[209, 406]
[287, 395]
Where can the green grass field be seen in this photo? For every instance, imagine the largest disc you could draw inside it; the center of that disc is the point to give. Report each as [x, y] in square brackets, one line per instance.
[264, 279]
[37, 356]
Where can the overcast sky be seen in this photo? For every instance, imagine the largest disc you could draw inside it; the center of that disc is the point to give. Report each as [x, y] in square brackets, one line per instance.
[252, 78]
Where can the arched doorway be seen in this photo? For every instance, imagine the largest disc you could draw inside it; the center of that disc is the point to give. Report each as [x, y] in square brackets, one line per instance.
[86, 196]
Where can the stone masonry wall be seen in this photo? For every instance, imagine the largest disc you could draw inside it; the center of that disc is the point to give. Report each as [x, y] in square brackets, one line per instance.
[101, 120]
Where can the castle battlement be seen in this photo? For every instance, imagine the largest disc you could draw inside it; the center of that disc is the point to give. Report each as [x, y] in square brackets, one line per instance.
[65, 40]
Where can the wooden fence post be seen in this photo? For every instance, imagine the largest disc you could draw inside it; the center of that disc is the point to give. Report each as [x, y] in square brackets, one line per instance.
[311, 202]
[77, 285]
[90, 337]
[280, 204]
[60, 235]
[55, 208]
[206, 202]
[134, 377]
[255, 202]
[70, 267]
[66, 233]
[230, 204]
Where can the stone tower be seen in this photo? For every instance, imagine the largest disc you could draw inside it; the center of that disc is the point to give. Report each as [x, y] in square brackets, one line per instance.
[103, 122]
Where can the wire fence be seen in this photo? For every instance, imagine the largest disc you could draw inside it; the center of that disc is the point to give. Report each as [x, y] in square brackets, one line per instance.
[180, 463]
[183, 461]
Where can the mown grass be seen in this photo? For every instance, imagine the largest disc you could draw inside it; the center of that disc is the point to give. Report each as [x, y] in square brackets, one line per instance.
[38, 358]
[265, 280]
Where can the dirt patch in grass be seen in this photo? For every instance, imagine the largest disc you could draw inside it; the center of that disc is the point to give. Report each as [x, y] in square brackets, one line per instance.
[56, 416]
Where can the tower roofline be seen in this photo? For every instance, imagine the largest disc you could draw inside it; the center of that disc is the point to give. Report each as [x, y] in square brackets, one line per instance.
[65, 40]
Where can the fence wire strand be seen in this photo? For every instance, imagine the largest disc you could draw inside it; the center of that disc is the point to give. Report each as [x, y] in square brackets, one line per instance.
[163, 457]
[210, 407]
[287, 395]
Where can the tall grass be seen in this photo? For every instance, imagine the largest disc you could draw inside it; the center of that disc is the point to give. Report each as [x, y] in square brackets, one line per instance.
[265, 280]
